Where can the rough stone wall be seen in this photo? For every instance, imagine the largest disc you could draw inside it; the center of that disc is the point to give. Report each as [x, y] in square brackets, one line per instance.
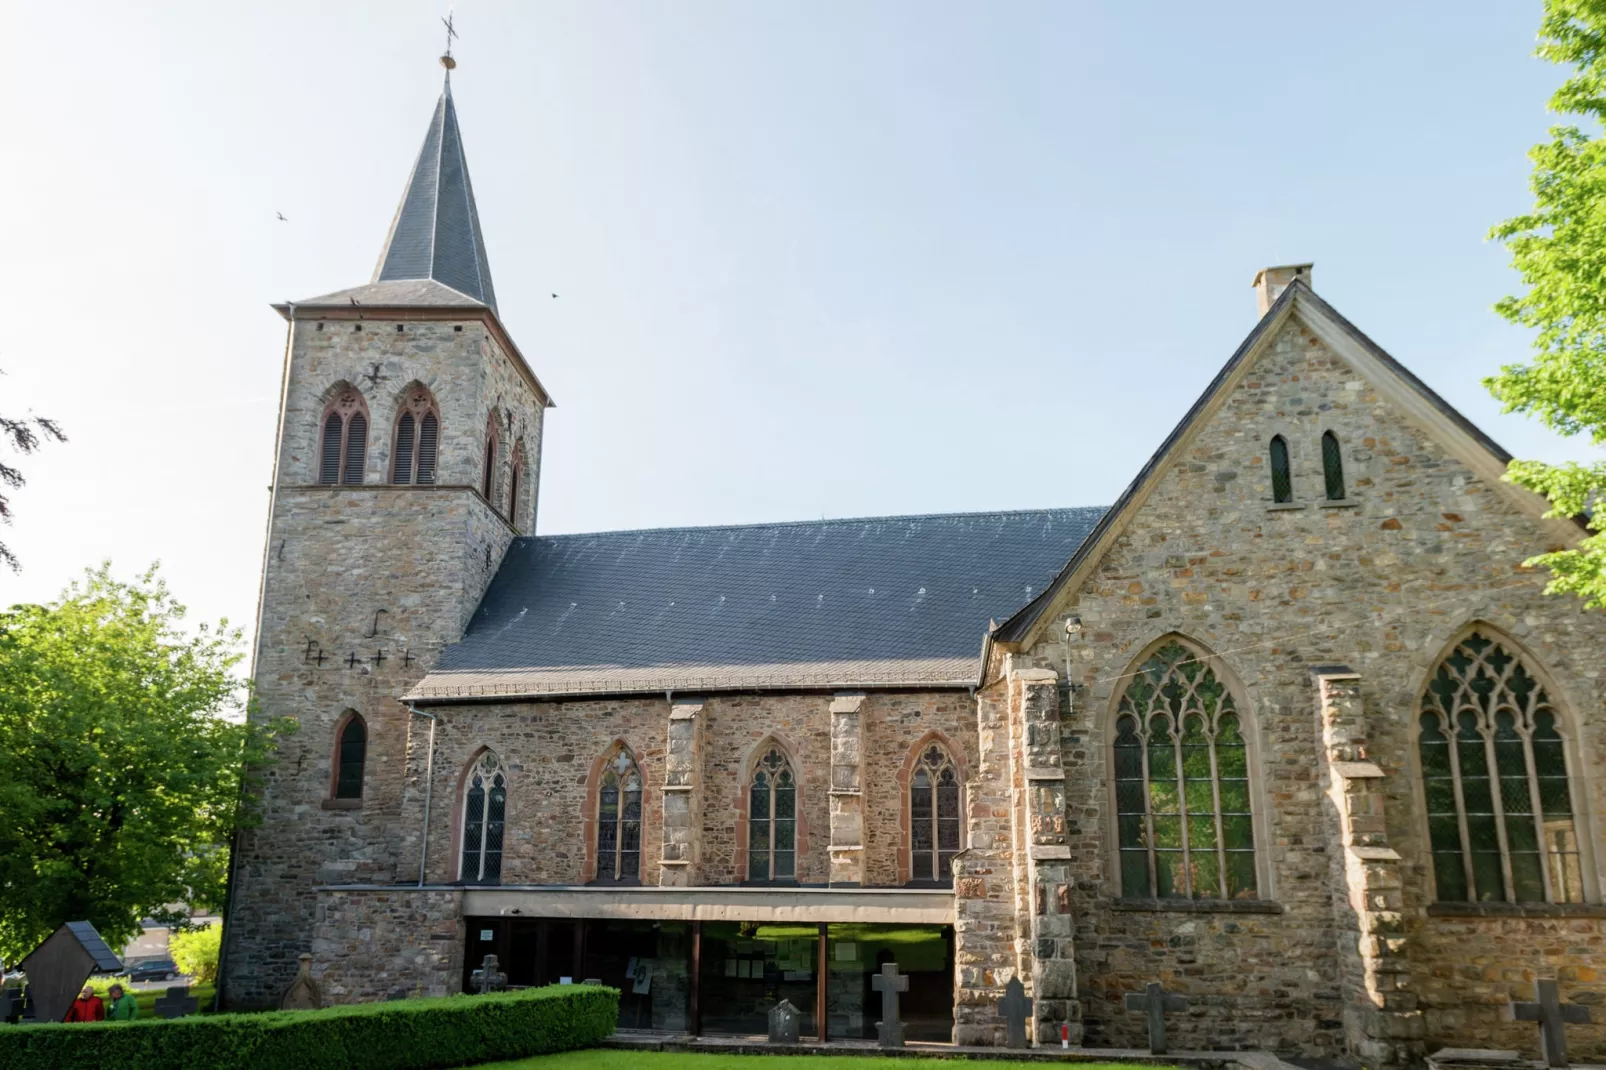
[1381, 583]
[363, 587]
[895, 726]
[372, 944]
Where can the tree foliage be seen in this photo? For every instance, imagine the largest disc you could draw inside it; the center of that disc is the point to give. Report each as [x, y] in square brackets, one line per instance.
[122, 749]
[195, 952]
[1559, 247]
[24, 436]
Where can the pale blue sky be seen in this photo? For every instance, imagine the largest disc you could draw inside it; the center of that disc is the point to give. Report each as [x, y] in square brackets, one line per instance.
[814, 258]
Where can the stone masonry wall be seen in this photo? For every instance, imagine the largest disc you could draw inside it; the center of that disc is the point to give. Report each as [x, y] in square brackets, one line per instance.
[363, 586]
[1380, 583]
[370, 945]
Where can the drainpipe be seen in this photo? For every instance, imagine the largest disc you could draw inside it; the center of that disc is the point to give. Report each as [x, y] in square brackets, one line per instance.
[429, 779]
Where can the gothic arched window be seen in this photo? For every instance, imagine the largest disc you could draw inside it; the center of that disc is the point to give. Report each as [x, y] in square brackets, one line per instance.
[484, 819]
[343, 444]
[1494, 771]
[1332, 467]
[772, 819]
[619, 819]
[351, 755]
[1186, 830]
[1282, 479]
[488, 482]
[418, 428]
[934, 809]
[515, 484]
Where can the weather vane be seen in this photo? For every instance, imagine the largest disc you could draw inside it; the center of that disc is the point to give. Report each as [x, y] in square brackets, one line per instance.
[446, 60]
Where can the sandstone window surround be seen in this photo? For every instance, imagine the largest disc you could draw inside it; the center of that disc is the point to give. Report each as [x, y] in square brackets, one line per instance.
[1184, 819]
[417, 437]
[619, 819]
[772, 818]
[351, 757]
[484, 821]
[343, 437]
[515, 485]
[936, 806]
[488, 482]
[1504, 823]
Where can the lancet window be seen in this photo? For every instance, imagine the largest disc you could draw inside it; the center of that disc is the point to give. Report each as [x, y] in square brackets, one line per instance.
[772, 819]
[1332, 467]
[619, 819]
[484, 821]
[1282, 478]
[418, 428]
[934, 821]
[344, 439]
[351, 757]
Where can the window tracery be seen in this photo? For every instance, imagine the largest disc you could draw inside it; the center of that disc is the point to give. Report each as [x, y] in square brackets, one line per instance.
[343, 445]
[934, 815]
[417, 438]
[772, 819]
[619, 819]
[484, 821]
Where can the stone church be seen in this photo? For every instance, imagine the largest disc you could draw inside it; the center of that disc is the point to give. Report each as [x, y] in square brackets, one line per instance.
[1288, 728]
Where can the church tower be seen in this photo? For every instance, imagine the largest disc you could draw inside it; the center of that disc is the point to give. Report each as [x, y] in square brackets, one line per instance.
[408, 459]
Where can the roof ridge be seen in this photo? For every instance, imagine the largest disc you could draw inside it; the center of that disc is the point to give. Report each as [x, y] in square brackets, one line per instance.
[822, 520]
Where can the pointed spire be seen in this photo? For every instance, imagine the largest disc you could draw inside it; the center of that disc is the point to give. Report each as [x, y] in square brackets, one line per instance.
[436, 232]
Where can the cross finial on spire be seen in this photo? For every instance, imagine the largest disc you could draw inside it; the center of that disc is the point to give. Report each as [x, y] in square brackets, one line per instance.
[446, 60]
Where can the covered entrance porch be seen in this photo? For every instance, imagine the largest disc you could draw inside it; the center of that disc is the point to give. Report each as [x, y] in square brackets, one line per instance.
[715, 960]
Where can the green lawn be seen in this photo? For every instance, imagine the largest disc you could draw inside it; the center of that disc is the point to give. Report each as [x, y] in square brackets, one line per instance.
[611, 1059]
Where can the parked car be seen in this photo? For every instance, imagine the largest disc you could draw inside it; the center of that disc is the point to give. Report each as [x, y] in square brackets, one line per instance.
[153, 970]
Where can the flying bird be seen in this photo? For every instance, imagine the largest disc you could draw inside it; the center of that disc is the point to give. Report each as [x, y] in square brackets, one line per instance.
[354, 301]
[282, 219]
[554, 295]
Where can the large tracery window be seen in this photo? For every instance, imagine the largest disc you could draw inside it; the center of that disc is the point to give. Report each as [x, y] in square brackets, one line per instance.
[344, 439]
[418, 430]
[484, 819]
[772, 819]
[1186, 830]
[1494, 771]
[934, 823]
[619, 819]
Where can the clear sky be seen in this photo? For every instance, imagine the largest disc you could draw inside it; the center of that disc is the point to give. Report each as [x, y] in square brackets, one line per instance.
[814, 259]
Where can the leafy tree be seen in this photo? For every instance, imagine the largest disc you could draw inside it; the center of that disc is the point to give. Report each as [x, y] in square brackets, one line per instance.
[195, 952]
[1559, 247]
[24, 436]
[122, 752]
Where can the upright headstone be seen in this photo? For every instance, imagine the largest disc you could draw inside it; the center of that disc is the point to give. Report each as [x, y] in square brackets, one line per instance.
[1552, 1015]
[489, 977]
[1156, 1001]
[177, 1003]
[784, 1019]
[304, 994]
[1015, 1008]
[889, 1030]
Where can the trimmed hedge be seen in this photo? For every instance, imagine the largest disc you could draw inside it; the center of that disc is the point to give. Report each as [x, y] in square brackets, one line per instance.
[416, 1034]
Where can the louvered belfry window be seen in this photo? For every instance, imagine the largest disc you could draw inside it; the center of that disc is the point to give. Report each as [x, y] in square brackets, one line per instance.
[1494, 771]
[417, 432]
[1185, 828]
[1333, 467]
[934, 824]
[772, 819]
[1282, 479]
[619, 819]
[484, 818]
[343, 444]
[353, 755]
[488, 483]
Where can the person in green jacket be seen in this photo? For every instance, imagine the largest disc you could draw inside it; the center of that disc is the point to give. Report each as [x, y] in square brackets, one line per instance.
[120, 1006]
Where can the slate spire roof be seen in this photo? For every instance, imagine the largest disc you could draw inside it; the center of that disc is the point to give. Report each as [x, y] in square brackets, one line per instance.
[436, 233]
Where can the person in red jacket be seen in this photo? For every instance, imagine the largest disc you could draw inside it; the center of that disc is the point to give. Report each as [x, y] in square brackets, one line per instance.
[86, 1008]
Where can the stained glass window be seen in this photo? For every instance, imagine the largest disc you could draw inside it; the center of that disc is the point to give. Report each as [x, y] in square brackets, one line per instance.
[484, 818]
[1282, 480]
[1494, 774]
[619, 819]
[1185, 828]
[934, 823]
[1332, 467]
[352, 755]
[772, 819]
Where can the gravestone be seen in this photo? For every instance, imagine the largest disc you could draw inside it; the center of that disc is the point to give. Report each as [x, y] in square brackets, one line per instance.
[1015, 1008]
[488, 978]
[592, 981]
[889, 1030]
[1156, 1001]
[1476, 1059]
[1552, 1015]
[177, 1003]
[784, 1020]
[303, 993]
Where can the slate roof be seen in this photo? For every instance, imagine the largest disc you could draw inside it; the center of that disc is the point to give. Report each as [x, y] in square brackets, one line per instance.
[436, 232]
[400, 293]
[877, 602]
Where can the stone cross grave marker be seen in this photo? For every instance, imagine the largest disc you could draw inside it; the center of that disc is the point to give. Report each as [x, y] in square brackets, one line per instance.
[784, 1019]
[1015, 1009]
[1156, 1001]
[889, 1030]
[1552, 1015]
[177, 1003]
[488, 977]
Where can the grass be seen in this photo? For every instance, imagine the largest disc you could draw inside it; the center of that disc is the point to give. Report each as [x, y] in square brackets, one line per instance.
[612, 1059]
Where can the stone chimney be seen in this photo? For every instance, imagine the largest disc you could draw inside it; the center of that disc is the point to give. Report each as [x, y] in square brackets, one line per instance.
[1271, 282]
